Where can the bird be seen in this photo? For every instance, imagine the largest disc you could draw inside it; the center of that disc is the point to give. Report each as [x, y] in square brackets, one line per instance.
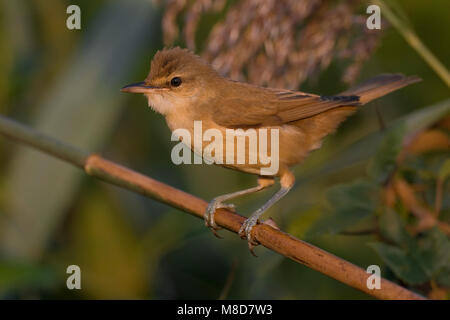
[184, 88]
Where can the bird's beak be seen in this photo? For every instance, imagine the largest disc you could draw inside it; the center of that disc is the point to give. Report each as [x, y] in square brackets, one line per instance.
[138, 87]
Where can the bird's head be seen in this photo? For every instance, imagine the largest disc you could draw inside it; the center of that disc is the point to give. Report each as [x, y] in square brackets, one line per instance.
[177, 77]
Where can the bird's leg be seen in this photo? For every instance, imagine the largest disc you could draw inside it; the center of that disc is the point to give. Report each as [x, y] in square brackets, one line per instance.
[287, 181]
[217, 202]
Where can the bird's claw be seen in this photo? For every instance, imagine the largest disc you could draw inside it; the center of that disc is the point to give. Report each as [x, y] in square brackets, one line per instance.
[209, 215]
[245, 232]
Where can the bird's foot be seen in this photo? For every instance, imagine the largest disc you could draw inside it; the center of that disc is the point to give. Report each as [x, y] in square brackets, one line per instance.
[228, 206]
[245, 232]
[211, 210]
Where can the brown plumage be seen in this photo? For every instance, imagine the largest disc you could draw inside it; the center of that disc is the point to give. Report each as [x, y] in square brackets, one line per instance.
[184, 88]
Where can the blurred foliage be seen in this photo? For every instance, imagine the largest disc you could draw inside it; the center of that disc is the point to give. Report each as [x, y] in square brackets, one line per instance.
[415, 245]
[370, 196]
[104, 246]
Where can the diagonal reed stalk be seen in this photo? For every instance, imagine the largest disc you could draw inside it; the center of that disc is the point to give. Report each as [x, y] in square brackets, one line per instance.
[273, 239]
[414, 41]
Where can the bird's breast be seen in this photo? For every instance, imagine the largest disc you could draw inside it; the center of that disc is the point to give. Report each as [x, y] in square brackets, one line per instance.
[247, 150]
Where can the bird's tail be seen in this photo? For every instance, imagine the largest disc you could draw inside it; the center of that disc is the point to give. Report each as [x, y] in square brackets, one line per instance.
[379, 86]
[327, 122]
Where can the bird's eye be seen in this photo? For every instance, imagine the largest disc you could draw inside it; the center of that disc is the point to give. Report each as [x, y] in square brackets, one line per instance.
[175, 82]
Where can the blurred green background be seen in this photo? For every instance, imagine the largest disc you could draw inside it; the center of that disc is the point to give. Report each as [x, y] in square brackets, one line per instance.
[66, 83]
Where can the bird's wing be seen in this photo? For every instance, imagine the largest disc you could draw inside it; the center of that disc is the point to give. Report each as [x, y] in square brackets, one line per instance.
[254, 106]
[277, 107]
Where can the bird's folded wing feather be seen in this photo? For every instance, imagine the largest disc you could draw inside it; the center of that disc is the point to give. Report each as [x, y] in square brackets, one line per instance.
[277, 107]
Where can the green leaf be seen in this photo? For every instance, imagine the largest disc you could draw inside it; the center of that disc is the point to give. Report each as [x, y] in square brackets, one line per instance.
[402, 264]
[384, 162]
[433, 252]
[443, 277]
[348, 204]
[393, 229]
[426, 258]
